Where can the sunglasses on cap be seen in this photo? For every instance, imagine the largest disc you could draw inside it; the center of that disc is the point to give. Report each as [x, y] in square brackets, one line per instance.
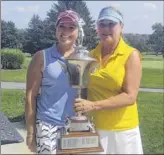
[71, 25]
[70, 14]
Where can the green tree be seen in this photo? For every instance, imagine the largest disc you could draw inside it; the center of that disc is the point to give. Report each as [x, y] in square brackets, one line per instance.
[157, 38]
[21, 38]
[138, 41]
[34, 35]
[90, 39]
[9, 35]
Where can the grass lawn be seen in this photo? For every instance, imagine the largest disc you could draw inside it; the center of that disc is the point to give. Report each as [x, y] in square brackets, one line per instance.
[12, 104]
[153, 72]
[151, 114]
[15, 75]
[152, 57]
[152, 78]
[150, 108]
[153, 64]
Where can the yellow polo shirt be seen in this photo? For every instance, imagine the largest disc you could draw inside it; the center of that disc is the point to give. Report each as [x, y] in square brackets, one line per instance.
[106, 81]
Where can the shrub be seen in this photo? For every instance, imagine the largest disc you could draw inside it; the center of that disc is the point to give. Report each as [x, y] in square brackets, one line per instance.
[27, 54]
[11, 58]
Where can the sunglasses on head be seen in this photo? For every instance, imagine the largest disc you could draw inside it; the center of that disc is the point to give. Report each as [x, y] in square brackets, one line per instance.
[72, 24]
[71, 14]
[109, 24]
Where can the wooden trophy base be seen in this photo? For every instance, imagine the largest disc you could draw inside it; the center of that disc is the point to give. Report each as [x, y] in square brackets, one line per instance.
[79, 142]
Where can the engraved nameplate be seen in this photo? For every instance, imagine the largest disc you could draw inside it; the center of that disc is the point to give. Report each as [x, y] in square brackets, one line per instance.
[79, 142]
[79, 126]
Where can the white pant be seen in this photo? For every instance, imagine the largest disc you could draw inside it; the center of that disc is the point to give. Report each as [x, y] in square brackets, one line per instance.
[121, 142]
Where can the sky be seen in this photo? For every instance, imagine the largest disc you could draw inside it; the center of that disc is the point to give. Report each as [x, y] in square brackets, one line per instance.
[139, 16]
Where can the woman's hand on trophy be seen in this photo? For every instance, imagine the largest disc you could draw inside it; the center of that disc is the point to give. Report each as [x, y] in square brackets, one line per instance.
[83, 106]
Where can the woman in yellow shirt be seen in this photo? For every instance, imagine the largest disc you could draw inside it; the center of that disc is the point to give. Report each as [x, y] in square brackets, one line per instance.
[113, 88]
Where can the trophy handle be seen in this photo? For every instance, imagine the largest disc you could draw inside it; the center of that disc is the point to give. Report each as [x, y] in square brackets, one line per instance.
[67, 125]
[91, 124]
[68, 70]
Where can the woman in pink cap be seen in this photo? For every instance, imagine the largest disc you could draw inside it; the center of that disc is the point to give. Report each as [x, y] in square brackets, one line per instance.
[49, 97]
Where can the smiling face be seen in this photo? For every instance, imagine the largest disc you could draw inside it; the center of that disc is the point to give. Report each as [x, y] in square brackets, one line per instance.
[66, 31]
[108, 31]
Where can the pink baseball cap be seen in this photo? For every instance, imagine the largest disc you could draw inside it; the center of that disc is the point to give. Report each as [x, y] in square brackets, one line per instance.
[74, 16]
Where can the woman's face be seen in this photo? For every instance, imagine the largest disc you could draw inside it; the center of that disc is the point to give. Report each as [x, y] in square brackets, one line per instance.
[66, 31]
[109, 31]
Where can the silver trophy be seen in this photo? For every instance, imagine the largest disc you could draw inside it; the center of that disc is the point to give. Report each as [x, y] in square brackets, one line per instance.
[80, 133]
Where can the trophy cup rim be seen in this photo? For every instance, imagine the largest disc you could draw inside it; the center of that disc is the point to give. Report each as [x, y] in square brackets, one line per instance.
[80, 56]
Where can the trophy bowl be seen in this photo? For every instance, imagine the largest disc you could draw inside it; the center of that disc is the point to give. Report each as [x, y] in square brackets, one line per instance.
[79, 65]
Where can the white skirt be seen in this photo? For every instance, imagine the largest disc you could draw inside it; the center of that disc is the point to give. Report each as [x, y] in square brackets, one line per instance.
[121, 142]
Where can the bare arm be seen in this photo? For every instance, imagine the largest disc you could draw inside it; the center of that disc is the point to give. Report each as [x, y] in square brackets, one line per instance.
[34, 75]
[130, 87]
